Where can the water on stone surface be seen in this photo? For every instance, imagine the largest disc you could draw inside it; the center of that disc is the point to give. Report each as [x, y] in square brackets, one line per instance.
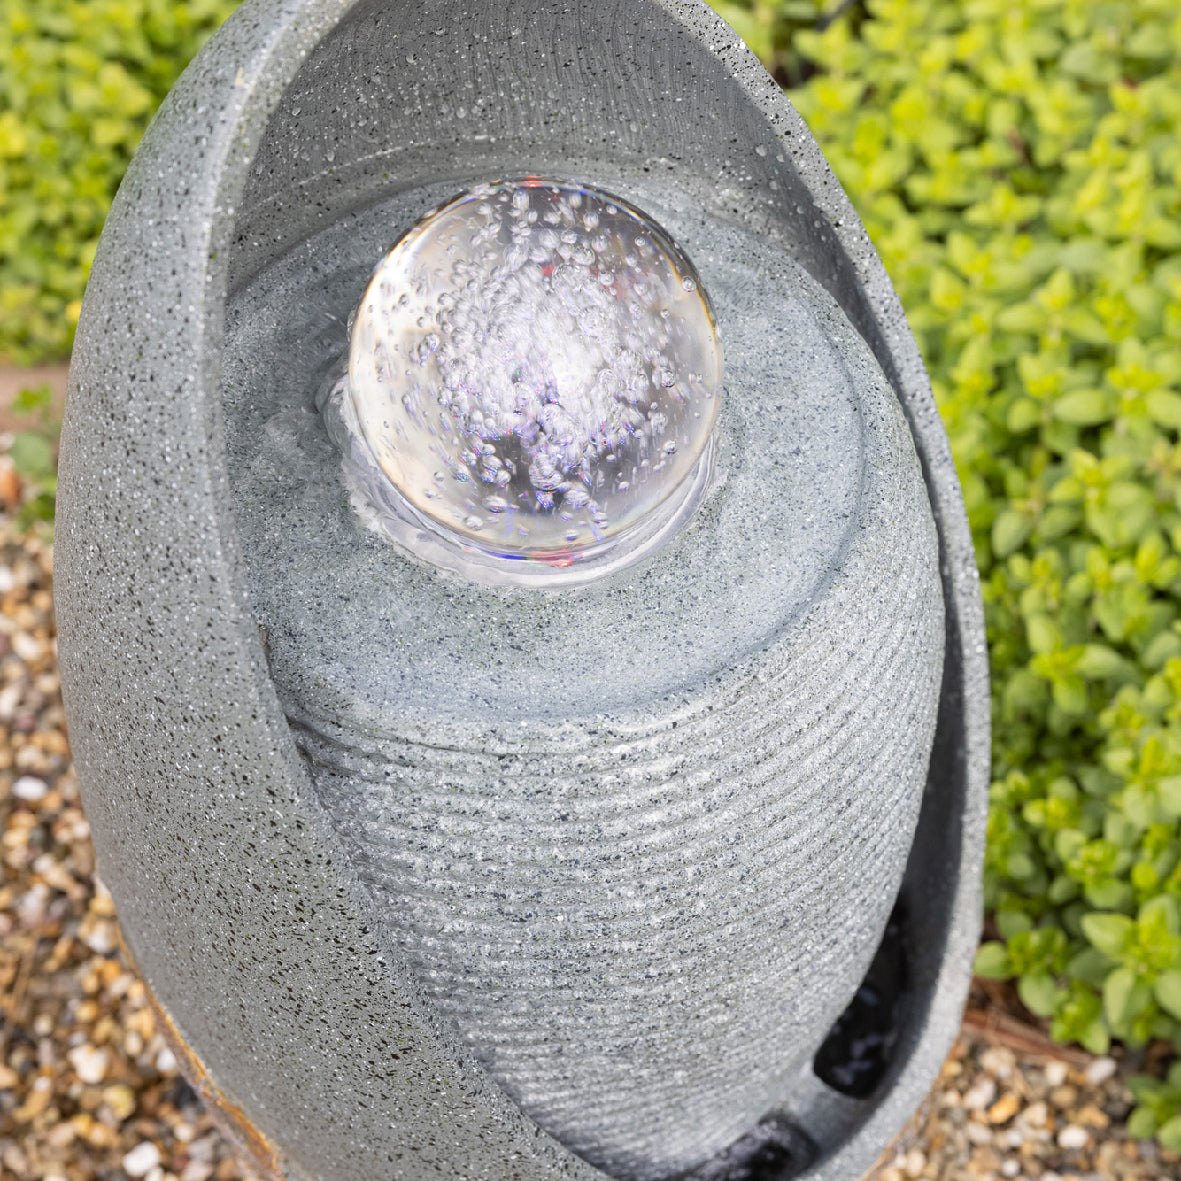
[288, 338]
[534, 369]
[857, 1051]
[372, 653]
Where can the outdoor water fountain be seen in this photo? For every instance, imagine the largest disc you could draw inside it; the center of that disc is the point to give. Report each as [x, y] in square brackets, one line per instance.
[519, 627]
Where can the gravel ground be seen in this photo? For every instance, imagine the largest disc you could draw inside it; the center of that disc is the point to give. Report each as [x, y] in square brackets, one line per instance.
[90, 1090]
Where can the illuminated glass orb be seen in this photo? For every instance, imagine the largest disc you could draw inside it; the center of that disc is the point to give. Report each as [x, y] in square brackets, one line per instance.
[533, 375]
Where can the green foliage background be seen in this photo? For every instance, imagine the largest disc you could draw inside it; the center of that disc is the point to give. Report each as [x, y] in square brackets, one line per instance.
[1018, 165]
[79, 80]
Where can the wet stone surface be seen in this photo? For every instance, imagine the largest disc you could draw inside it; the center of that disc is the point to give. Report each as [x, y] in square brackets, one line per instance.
[857, 1052]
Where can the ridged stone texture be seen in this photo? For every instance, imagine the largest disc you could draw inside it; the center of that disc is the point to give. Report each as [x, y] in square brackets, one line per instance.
[636, 840]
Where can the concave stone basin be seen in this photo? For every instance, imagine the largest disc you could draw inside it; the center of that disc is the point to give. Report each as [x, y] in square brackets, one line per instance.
[636, 839]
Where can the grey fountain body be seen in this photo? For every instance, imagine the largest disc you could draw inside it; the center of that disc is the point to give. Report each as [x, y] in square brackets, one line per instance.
[442, 876]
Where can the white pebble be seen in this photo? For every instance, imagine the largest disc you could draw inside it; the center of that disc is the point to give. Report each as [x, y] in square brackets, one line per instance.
[27, 648]
[203, 1149]
[10, 699]
[89, 1063]
[7, 579]
[103, 938]
[981, 1095]
[1100, 1071]
[1036, 1115]
[32, 904]
[1010, 1168]
[998, 1062]
[29, 787]
[165, 1061]
[1072, 1136]
[142, 1159]
[1056, 1073]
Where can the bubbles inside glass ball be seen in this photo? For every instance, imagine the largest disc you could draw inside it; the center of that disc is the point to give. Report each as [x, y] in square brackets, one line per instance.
[534, 371]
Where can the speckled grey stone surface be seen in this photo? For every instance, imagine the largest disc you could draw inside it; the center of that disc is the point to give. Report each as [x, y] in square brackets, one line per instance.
[261, 919]
[593, 819]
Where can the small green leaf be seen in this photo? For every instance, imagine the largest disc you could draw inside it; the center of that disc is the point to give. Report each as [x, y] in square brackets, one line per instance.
[1163, 646]
[1068, 842]
[32, 455]
[1160, 916]
[1090, 966]
[1096, 1039]
[37, 400]
[1044, 635]
[992, 962]
[1170, 1134]
[1099, 662]
[1167, 991]
[1021, 318]
[1108, 932]
[1038, 994]
[1009, 532]
[1019, 866]
[1010, 923]
[1141, 1123]
[1083, 407]
[1109, 895]
[1023, 415]
[1070, 695]
[1120, 996]
[1169, 787]
[1164, 407]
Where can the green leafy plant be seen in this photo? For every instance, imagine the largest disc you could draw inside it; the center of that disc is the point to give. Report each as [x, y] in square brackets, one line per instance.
[79, 80]
[1159, 1108]
[1017, 167]
[33, 455]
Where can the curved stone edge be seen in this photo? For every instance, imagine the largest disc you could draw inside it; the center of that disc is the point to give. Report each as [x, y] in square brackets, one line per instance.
[251, 1147]
[861, 286]
[148, 565]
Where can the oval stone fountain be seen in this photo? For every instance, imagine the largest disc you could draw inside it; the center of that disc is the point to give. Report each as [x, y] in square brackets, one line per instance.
[519, 627]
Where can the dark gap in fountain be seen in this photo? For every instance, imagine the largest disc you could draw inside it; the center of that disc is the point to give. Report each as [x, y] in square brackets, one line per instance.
[856, 1055]
[773, 1150]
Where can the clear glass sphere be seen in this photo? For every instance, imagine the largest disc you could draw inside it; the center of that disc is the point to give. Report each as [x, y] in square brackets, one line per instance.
[534, 370]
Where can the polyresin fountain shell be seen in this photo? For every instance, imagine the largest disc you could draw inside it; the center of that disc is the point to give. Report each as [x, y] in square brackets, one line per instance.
[442, 879]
